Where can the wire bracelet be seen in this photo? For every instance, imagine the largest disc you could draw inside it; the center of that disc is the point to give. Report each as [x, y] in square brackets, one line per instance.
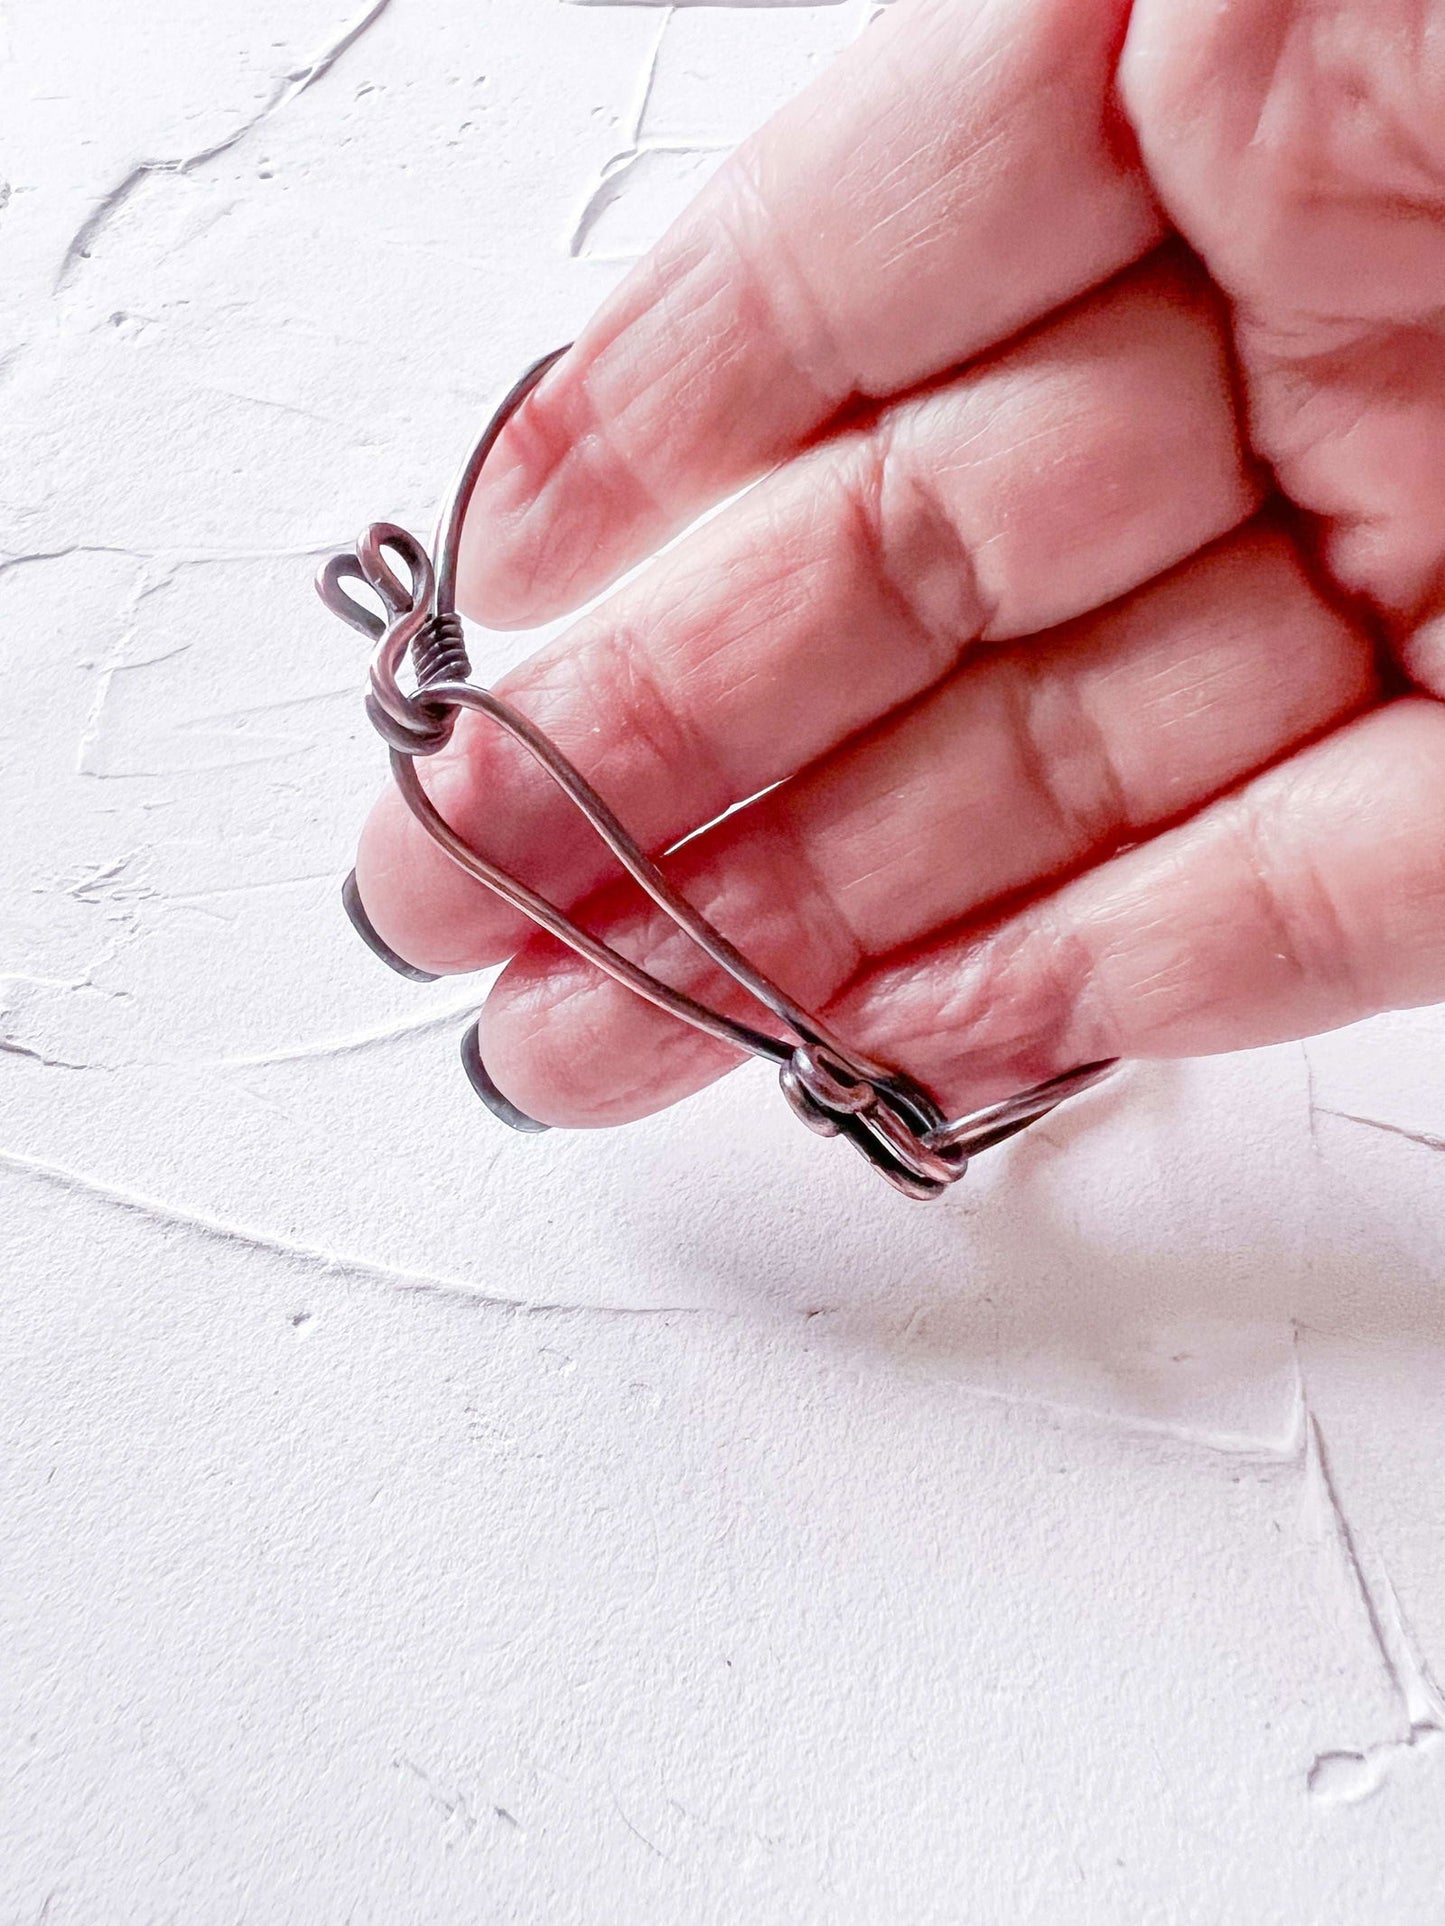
[891, 1119]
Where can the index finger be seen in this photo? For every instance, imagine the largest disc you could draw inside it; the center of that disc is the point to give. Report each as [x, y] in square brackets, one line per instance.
[953, 176]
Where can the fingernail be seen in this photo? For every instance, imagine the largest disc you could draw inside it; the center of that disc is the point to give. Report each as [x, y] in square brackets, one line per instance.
[361, 923]
[490, 1095]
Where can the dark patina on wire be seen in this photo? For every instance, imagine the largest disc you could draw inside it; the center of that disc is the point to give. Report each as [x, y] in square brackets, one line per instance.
[836, 1091]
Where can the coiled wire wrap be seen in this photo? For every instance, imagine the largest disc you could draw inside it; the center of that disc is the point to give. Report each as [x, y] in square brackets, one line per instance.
[439, 653]
[892, 1119]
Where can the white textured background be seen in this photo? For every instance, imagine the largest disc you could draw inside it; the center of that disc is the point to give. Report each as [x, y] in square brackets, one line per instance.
[403, 1521]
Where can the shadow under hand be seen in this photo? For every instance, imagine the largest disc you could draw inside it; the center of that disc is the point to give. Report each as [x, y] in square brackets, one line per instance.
[1146, 1254]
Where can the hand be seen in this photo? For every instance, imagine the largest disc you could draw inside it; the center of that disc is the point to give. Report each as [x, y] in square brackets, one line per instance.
[1087, 630]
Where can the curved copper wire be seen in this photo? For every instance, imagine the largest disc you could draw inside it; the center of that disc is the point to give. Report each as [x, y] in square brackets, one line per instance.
[836, 1091]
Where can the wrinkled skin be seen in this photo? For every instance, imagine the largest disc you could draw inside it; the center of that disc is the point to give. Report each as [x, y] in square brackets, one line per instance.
[1087, 626]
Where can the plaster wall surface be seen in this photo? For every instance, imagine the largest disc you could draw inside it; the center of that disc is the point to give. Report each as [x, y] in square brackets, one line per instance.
[400, 1521]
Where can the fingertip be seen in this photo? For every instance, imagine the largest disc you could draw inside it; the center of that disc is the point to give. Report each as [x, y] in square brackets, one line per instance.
[418, 905]
[571, 1047]
[528, 1038]
[360, 921]
[386, 891]
[487, 1089]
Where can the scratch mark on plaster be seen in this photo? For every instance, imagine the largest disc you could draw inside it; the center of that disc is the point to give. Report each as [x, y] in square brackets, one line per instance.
[1310, 1100]
[453, 1805]
[649, 80]
[104, 883]
[618, 176]
[189, 896]
[11, 562]
[1422, 1137]
[11, 980]
[171, 654]
[330, 1263]
[288, 88]
[1346, 1777]
[214, 557]
[263, 1101]
[9, 1048]
[911, 1327]
[13, 986]
[1300, 1414]
[175, 558]
[113, 662]
[1265, 1454]
[347, 1046]
[221, 765]
[277, 705]
[266, 401]
[203, 727]
[93, 887]
[650, 1844]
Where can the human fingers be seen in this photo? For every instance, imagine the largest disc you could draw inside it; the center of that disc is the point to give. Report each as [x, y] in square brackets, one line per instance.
[1301, 149]
[952, 177]
[1051, 479]
[1032, 763]
[1312, 897]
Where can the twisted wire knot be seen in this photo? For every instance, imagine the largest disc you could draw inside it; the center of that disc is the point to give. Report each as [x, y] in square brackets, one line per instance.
[411, 624]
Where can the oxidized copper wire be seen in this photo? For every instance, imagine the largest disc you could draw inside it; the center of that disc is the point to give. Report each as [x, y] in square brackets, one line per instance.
[837, 1092]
